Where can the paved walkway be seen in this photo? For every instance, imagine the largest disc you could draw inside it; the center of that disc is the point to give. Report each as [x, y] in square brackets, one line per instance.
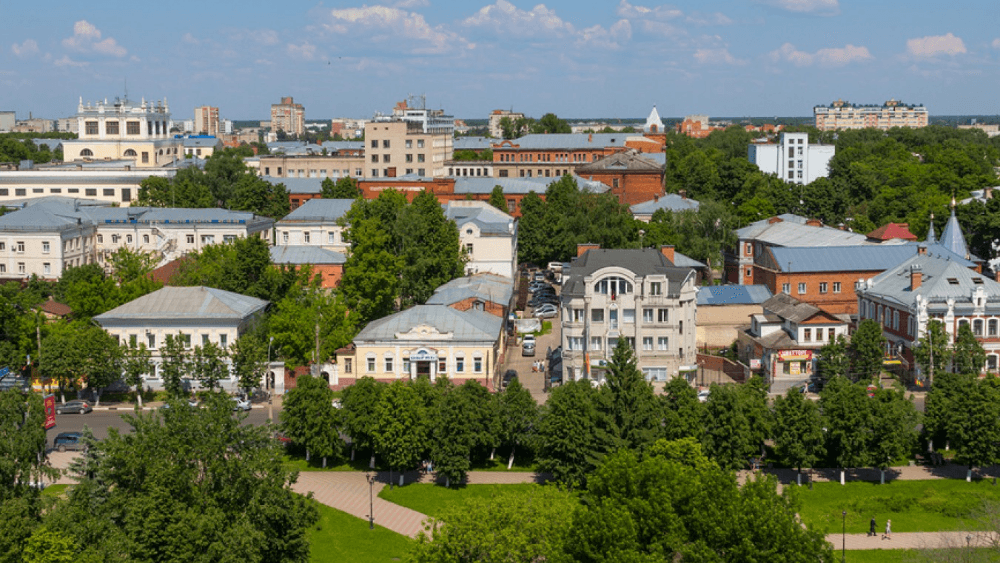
[914, 540]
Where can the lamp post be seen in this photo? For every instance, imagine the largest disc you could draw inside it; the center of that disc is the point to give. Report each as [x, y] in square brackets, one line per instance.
[843, 541]
[371, 500]
[267, 383]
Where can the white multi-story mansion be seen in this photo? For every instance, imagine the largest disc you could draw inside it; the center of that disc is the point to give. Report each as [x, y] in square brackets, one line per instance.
[124, 130]
[638, 295]
[793, 160]
[317, 222]
[488, 235]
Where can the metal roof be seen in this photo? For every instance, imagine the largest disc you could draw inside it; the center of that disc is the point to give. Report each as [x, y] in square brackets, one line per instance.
[298, 185]
[733, 295]
[489, 219]
[301, 254]
[952, 237]
[185, 304]
[63, 213]
[685, 261]
[464, 326]
[319, 210]
[942, 279]
[642, 262]
[489, 287]
[469, 185]
[669, 202]
[789, 233]
[631, 160]
[195, 142]
[472, 143]
[860, 258]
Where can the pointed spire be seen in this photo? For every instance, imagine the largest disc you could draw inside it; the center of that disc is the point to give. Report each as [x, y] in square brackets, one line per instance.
[952, 237]
[931, 238]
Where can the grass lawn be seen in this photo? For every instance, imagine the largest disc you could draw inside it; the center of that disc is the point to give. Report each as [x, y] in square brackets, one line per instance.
[54, 490]
[338, 536]
[915, 556]
[434, 500]
[914, 506]
[524, 463]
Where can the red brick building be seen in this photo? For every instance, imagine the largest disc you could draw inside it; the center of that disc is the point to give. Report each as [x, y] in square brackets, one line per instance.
[634, 178]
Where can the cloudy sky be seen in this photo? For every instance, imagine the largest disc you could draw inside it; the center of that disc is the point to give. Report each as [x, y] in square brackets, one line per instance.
[577, 58]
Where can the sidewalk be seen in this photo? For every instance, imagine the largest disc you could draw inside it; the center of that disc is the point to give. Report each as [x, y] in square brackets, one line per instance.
[914, 540]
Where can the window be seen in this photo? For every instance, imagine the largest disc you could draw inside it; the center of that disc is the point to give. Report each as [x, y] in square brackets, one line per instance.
[420, 157]
[420, 143]
[630, 341]
[388, 364]
[647, 343]
[128, 239]
[578, 315]
[409, 143]
[614, 183]
[3, 246]
[385, 158]
[459, 364]
[612, 343]
[185, 339]
[222, 340]
[477, 364]
[628, 316]
[420, 172]
[20, 246]
[348, 365]
[663, 315]
[145, 157]
[992, 324]
[409, 158]
[802, 288]
[208, 239]
[574, 343]
[597, 315]
[655, 374]
[374, 143]
[305, 237]
[45, 247]
[595, 342]
[822, 287]
[374, 158]
[613, 285]
[991, 362]
[977, 327]
[132, 127]
[111, 127]
[46, 268]
[385, 143]
[656, 288]
[151, 341]
[680, 327]
[807, 335]
[190, 239]
[100, 238]
[204, 340]
[647, 315]
[145, 239]
[374, 172]
[371, 364]
[3, 268]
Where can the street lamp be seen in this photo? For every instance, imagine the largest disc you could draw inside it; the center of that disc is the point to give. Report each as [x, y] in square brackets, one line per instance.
[267, 383]
[843, 541]
[371, 500]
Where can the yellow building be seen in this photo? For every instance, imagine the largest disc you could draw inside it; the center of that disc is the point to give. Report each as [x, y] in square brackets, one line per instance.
[123, 131]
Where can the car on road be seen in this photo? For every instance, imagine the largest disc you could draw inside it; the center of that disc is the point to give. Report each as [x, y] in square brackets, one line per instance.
[528, 345]
[508, 376]
[193, 403]
[241, 404]
[69, 441]
[536, 301]
[78, 407]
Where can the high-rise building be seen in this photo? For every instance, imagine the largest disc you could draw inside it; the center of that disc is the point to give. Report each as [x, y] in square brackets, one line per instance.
[794, 160]
[289, 117]
[893, 113]
[412, 141]
[206, 120]
[498, 114]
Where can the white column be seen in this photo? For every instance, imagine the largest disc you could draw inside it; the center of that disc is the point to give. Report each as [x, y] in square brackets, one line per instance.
[413, 370]
[433, 370]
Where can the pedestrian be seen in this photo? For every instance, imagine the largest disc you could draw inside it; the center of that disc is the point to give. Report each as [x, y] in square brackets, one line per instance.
[888, 530]
[872, 529]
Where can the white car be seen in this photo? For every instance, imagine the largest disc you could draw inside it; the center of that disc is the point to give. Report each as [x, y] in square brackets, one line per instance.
[702, 396]
[240, 404]
[546, 311]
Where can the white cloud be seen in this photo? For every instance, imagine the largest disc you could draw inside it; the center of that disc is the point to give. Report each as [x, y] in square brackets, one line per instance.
[935, 45]
[267, 37]
[27, 48]
[716, 56]
[190, 39]
[87, 39]
[66, 61]
[660, 13]
[384, 23]
[504, 17]
[411, 4]
[818, 7]
[839, 56]
[304, 51]
[996, 43]
[597, 36]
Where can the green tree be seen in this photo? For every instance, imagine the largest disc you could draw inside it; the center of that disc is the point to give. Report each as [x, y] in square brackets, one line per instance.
[310, 419]
[968, 354]
[572, 435]
[497, 199]
[726, 432]
[867, 349]
[136, 363]
[175, 363]
[760, 419]
[941, 412]
[431, 253]
[63, 359]
[102, 359]
[633, 413]
[847, 416]
[308, 321]
[798, 431]
[241, 266]
[682, 412]
[483, 417]
[834, 360]
[894, 429]
[370, 284]
[452, 436]
[975, 431]
[400, 431]
[518, 416]
[550, 123]
[359, 408]
[249, 357]
[932, 351]
[344, 188]
[217, 489]
[47, 546]
[208, 364]
[534, 232]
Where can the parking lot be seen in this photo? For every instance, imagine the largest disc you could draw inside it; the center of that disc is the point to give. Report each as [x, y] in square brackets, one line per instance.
[514, 359]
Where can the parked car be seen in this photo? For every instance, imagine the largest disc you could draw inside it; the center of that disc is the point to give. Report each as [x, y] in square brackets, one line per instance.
[508, 376]
[72, 441]
[241, 404]
[546, 311]
[528, 346]
[193, 403]
[540, 299]
[702, 396]
[539, 276]
[78, 407]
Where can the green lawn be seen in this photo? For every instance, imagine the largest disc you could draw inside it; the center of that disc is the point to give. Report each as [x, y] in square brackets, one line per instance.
[434, 500]
[914, 506]
[338, 537]
[54, 490]
[523, 463]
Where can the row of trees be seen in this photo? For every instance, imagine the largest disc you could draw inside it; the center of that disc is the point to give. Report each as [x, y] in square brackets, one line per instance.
[16, 147]
[963, 412]
[549, 123]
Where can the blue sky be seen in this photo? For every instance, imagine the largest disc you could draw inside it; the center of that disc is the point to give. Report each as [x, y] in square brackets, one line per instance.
[577, 58]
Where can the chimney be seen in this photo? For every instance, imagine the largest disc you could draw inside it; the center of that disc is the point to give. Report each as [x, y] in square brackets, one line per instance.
[590, 138]
[988, 193]
[915, 277]
[668, 251]
[656, 197]
[814, 223]
[682, 193]
[922, 249]
[583, 247]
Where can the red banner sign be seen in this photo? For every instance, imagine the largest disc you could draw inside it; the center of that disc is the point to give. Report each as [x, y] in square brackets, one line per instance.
[50, 411]
[794, 355]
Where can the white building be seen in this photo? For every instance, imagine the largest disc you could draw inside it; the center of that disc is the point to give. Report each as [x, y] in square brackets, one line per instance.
[7, 120]
[196, 315]
[793, 160]
[638, 295]
[118, 186]
[317, 222]
[123, 130]
[488, 235]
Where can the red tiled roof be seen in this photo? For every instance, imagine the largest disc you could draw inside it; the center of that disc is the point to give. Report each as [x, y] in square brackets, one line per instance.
[166, 271]
[892, 230]
[55, 308]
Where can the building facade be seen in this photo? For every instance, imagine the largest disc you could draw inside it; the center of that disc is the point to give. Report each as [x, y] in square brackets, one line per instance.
[724, 310]
[317, 223]
[893, 113]
[487, 235]
[638, 295]
[289, 117]
[123, 130]
[793, 159]
[206, 121]
[496, 116]
[110, 186]
[403, 148]
[633, 177]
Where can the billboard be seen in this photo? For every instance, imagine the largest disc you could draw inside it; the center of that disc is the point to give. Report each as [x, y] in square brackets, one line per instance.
[50, 411]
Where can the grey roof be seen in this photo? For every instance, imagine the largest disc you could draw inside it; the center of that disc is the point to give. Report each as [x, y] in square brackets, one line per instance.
[185, 304]
[861, 258]
[465, 326]
[788, 307]
[931, 237]
[571, 140]
[791, 232]
[54, 199]
[685, 261]
[40, 218]
[469, 185]
[669, 202]
[733, 295]
[952, 237]
[489, 219]
[472, 143]
[53, 214]
[193, 162]
[294, 147]
[332, 146]
[488, 287]
[631, 160]
[319, 210]
[196, 142]
[301, 254]
[298, 185]
[936, 285]
[642, 262]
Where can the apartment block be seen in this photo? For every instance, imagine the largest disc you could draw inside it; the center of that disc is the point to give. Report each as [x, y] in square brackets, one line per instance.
[893, 113]
[206, 121]
[793, 159]
[288, 116]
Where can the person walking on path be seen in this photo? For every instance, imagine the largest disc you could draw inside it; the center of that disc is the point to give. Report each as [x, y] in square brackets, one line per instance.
[872, 530]
[888, 530]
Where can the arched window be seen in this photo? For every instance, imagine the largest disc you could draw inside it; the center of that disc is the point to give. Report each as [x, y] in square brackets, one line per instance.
[613, 285]
[130, 152]
[86, 152]
[993, 327]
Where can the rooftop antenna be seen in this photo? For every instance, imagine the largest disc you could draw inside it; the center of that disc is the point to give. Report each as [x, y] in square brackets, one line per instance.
[126, 89]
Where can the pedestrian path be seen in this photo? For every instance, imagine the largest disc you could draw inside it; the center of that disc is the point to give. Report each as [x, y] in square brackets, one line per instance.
[914, 540]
